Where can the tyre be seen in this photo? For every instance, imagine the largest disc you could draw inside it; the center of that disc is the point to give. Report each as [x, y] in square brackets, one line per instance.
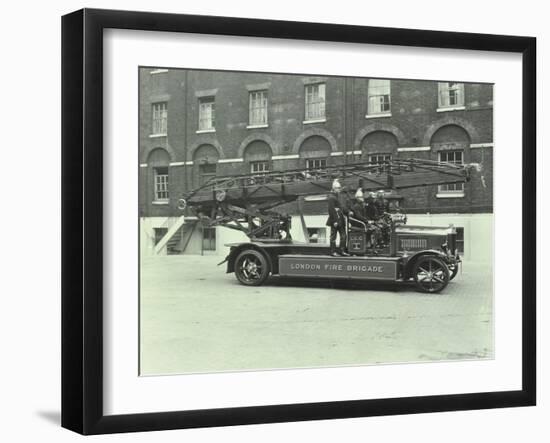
[430, 274]
[251, 268]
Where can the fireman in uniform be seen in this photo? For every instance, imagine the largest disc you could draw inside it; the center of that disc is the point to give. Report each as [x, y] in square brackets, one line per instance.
[384, 219]
[373, 216]
[371, 211]
[381, 203]
[360, 217]
[337, 219]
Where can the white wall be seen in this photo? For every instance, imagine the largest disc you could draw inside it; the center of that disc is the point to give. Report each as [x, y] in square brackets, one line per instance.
[147, 227]
[30, 284]
[478, 231]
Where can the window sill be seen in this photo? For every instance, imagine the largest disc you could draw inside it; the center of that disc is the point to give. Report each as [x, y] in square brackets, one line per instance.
[320, 120]
[387, 114]
[458, 194]
[160, 202]
[205, 131]
[257, 126]
[158, 71]
[451, 108]
[157, 135]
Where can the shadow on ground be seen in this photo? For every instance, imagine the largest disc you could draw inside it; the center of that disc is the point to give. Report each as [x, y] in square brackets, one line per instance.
[53, 417]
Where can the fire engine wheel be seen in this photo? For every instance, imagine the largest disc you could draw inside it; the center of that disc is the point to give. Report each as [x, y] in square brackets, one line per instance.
[251, 268]
[453, 269]
[431, 274]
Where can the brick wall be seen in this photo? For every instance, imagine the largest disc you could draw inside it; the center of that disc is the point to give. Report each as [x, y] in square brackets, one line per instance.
[414, 122]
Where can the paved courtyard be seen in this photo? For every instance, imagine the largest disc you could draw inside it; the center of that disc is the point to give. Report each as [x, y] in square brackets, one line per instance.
[197, 318]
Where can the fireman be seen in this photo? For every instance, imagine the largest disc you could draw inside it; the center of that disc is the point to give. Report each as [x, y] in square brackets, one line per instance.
[337, 220]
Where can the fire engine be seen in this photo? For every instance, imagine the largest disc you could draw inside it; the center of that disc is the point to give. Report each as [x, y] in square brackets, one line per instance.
[424, 255]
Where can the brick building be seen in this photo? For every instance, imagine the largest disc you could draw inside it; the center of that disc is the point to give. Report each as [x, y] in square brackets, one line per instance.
[195, 124]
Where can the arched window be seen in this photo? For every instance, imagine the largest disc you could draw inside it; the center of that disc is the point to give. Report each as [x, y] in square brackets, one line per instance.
[378, 147]
[315, 151]
[451, 143]
[205, 160]
[257, 157]
[158, 162]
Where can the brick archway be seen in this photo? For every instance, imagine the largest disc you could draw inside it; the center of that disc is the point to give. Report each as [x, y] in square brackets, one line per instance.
[205, 141]
[314, 131]
[257, 137]
[165, 146]
[450, 120]
[379, 126]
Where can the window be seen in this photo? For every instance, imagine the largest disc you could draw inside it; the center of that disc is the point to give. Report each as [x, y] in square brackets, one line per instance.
[207, 114]
[160, 118]
[379, 97]
[460, 240]
[456, 157]
[315, 102]
[161, 184]
[316, 163]
[259, 167]
[206, 172]
[257, 108]
[209, 239]
[317, 235]
[451, 95]
[378, 159]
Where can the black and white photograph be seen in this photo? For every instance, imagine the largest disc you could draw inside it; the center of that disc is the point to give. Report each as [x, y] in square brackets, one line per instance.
[275, 222]
[291, 220]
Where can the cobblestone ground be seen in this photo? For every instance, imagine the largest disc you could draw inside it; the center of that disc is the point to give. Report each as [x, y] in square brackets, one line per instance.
[197, 318]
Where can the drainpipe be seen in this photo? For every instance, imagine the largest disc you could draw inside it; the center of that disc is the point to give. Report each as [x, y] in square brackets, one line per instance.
[185, 129]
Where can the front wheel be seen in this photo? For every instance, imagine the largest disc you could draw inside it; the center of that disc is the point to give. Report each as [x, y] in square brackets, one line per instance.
[251, 268]
[453, 270]
[431, 274]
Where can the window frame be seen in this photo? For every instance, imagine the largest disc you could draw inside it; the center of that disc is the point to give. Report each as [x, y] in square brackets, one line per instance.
[314, 159]
[257, 162]
[203, 101]
[159, 123]
[212, 237]
[165, 184]
[382, 112]
[264, 102]
[379, 154]
[443, 90]
[308, 115]
[443, 190]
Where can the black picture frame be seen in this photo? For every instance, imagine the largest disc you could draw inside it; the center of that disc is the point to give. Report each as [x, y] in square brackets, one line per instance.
[82, 218]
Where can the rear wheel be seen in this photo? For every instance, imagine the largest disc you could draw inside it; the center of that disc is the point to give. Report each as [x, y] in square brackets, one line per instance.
[251, 268]
[430, 274]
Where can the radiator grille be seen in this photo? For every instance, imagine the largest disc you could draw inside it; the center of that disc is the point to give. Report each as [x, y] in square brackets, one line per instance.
[414, 243]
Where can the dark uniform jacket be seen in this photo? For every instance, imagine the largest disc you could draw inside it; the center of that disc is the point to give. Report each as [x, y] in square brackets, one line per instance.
[371, 211]
[335, 210]
[381, 206]
[359, 211]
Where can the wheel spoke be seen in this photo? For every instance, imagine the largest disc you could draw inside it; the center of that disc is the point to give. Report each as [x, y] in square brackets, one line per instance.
[436, 278]
[423, 270]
